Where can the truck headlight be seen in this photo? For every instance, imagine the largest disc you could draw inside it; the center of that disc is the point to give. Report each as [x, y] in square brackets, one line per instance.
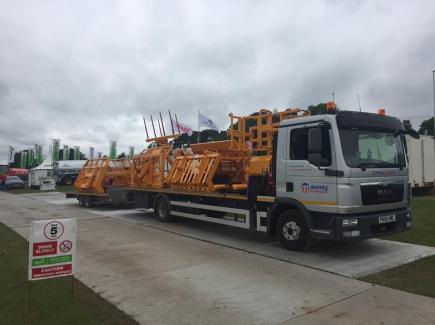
[351, 222]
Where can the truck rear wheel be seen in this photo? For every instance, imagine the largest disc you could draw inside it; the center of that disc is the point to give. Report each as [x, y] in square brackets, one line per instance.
[89, 202]
[81, 201]
[293, 231]
[162, 209]
[67, 181]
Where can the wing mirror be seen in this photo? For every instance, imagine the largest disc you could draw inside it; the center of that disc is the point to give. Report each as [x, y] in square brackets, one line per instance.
[410, 130]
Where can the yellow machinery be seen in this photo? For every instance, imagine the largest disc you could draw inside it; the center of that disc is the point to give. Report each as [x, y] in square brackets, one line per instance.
[150, 167]
[99, 174]
[207, 167]
[212, 166]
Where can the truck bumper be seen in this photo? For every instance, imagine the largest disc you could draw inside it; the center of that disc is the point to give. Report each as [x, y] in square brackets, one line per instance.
[367, 225]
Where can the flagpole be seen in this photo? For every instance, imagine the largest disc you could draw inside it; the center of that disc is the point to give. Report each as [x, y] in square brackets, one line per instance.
[198, 126]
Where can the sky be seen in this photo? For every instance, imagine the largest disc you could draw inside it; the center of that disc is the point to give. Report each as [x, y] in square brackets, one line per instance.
[85, 72]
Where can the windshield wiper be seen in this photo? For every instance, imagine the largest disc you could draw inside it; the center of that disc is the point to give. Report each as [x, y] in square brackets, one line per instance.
[364, 166]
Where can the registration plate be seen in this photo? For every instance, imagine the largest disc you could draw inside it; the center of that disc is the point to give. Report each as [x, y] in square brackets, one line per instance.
[387, 219]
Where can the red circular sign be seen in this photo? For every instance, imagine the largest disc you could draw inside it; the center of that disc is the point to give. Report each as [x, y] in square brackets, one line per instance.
[65, 246]
[53, 230]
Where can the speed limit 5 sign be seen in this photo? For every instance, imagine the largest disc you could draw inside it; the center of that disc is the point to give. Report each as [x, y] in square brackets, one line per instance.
[52, 247]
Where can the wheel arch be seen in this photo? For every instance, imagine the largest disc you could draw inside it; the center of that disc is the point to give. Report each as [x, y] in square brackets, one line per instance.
[164, 199]
[158, 197]
[280, 207]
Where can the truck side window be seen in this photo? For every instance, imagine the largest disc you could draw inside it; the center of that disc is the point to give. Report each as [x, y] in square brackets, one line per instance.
[299, 145]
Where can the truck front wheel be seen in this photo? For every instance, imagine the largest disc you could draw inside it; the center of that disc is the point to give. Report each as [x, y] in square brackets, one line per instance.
[163, 209]
[293, 232]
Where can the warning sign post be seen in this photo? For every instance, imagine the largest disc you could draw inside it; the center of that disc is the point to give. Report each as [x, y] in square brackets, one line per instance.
[52, 246]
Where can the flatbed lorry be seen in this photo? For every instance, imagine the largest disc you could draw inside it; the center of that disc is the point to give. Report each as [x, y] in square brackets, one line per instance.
[341, 176]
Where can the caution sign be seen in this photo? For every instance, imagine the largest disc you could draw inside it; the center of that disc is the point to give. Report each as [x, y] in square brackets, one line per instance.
[52, 247]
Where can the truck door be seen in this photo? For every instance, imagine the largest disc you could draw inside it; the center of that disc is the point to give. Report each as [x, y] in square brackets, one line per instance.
[313, 186]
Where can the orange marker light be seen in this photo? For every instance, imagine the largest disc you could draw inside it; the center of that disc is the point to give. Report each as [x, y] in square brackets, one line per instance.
[330, 106]
[381, 111]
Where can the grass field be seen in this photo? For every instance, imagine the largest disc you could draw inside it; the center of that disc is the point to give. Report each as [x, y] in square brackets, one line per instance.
[423, 223]
[51, 300]
[416, 277]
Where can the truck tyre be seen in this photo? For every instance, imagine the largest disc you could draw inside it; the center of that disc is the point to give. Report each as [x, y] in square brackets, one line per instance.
[81, 201]
[67, 181]
[163, 209]
[89, 202]
[293, 231]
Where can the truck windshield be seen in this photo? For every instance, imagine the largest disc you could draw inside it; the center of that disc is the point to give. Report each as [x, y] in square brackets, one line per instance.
[371, 149]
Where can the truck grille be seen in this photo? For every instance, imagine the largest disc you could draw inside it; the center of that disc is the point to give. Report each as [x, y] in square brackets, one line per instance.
[381, 193]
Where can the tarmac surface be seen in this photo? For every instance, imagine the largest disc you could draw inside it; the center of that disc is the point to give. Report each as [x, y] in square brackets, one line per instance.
[191, 272]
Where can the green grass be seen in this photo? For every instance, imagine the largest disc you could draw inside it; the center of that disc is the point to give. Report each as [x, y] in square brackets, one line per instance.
[51, 300]
[417, 277]
[423, 223]
[32, 190]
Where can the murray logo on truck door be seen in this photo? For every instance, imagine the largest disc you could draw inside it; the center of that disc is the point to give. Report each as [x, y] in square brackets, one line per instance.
[313, 188]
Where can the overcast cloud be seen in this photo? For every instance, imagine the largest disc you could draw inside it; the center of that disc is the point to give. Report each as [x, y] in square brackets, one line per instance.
[86, 71]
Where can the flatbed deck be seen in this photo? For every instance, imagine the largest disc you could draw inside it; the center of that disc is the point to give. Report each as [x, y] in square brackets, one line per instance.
[232, 196]
[189, 204]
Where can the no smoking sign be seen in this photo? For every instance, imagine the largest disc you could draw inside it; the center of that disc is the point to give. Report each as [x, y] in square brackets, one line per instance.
[65, 246]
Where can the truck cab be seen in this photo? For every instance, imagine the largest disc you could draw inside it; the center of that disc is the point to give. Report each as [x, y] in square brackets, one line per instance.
[346, 173]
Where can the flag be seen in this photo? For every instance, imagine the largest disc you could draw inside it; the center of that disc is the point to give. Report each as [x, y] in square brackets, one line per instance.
[23, 159]
[65, 152]
[112, 150]
[55, 150]
[204, 121]
[38, 154]
[11, 156]
[76, 152]
[91, 153]
[30, 158]
[184, 128]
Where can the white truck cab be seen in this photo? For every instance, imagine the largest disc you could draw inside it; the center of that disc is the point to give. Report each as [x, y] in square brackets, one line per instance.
[347, 173]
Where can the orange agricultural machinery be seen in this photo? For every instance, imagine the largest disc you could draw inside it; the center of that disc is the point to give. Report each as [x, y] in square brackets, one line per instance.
[212, 166]
[97, 175]
[205, 167]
